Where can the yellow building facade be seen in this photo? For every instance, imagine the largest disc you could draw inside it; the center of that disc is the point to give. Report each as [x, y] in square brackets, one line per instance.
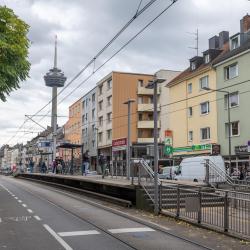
[193, 112]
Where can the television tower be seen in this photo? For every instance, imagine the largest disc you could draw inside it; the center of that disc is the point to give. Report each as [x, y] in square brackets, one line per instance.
[54, 78]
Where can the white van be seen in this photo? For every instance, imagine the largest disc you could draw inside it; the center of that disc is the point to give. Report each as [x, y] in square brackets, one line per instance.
[193, 169]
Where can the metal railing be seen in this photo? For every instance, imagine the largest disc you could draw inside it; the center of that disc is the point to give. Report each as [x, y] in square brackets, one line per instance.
[225, 211]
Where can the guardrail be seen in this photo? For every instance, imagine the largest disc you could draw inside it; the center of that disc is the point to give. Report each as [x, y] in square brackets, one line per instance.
[225, 211]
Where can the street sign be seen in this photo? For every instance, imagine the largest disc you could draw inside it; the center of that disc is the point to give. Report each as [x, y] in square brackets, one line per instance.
[168, 150]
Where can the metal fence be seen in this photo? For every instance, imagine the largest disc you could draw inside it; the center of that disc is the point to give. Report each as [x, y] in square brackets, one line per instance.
[226, 211]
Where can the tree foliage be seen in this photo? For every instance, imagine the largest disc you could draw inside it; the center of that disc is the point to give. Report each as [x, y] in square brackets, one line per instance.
[14, 45]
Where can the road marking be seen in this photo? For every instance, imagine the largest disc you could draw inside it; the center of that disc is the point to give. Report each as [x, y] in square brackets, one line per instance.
[19, 201]
[20, 218]
[37, 217]
[57, 237]
[16, 198]
[0, 220]
[13, 195]
[24, 205]
[30, 211]
[130, 230]
[77, 233]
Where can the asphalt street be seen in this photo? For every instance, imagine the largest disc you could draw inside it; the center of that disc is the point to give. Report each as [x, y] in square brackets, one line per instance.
[35, 217]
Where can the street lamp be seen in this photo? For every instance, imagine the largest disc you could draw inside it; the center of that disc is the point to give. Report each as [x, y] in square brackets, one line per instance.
[153, 85]
[229, 121]
[128, 102]
[96, 129]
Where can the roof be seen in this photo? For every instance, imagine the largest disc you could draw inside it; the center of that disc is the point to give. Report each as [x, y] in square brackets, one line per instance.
[187, 73]
[230, 53]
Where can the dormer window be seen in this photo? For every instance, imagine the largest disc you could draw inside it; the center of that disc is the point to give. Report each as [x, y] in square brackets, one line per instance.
[193, 65]
[235, 42]
[207, 58]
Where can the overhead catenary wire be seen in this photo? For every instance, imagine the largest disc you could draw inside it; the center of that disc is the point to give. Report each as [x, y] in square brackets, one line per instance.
[118, 51]
[137, 14]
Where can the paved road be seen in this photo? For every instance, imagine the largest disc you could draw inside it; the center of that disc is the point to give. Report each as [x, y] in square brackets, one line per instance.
[34, 217]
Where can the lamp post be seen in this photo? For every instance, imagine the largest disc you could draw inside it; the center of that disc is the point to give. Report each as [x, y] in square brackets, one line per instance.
[128, 102]
[153, 85]
[229, 122]
[96, 129]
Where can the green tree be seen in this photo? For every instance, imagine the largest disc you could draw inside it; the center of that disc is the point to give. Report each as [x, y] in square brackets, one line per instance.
[14, 45]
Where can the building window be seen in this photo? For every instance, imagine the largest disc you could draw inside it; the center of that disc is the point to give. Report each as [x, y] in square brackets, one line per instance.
[100, 137]
[207, 58]
[109, 134]
[204, 82]
[109, 117]
[204, 108]
[109, 84]
[93, 98]
[100, 120]
[235, 42]
[140, 100]
[231, 71]
[234, 128]
[100, 105]
[140, 83]
[83, 119]
[86, 117]
[140, 117]
[93, 128]
[205, 133]
[190, 135]
[150, 99]
[109, 101]
[190, 88]
[83, 104]
[193, 65]
[190, 111]
[100, 89]
[93, 114]
[234, 100]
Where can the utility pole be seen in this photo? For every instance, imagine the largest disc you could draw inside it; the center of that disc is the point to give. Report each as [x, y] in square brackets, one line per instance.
[128, 102]
[153, 85]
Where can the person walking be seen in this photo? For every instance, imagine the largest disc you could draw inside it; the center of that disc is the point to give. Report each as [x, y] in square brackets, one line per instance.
[31, 165]
[102, 162]
[85, 166]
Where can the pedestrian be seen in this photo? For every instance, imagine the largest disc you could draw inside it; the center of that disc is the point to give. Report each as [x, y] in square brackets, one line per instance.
[63, 166]
[44, 168]
[54, 165]
[102, 162]
[31, 165]
[85, 166]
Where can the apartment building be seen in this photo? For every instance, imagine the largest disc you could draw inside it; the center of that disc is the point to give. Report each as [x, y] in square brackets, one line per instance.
[112, 91]
[193, 110]
[232, 75]
[89, 126]
[73, 127]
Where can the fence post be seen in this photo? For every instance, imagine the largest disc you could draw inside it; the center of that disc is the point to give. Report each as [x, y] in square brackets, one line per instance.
[160, 196]
[226, 214]
[178, 202]
[200, 205]
[207, 171]
[132, 166]
[139, 174]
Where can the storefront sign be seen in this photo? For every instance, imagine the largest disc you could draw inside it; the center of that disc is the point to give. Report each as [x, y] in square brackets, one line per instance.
[243, 149]
[215, 149]
[168, 141]
[198, 147]
[119, 144]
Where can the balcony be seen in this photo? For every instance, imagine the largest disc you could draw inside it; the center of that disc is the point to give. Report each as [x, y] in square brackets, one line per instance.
[147, 107]
[147, 124]
[145, 91]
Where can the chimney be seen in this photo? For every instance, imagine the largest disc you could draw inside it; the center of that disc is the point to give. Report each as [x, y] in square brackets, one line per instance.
[213, 42]
[223, 38]
[245, 23]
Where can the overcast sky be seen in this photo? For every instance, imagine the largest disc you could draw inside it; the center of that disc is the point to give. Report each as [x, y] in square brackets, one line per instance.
[83, 27]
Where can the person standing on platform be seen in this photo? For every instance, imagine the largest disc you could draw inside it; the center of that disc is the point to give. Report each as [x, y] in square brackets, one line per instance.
[85, 168]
